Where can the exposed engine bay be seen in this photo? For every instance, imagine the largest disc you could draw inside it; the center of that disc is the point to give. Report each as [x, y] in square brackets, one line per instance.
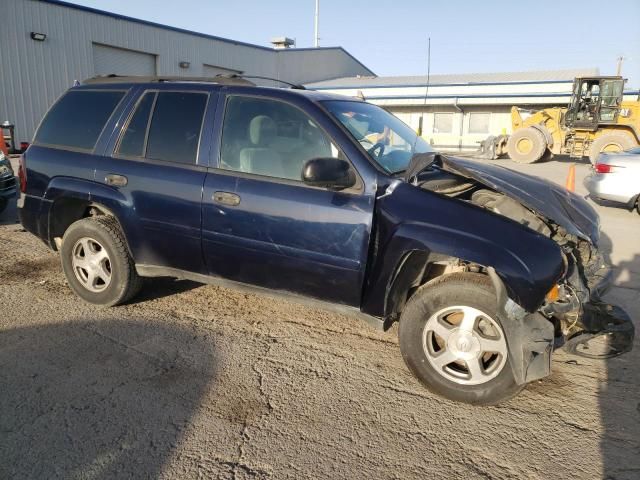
[583, 323]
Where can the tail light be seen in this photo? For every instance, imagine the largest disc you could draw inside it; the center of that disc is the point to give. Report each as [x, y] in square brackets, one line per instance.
[606, 168]
[22, 174]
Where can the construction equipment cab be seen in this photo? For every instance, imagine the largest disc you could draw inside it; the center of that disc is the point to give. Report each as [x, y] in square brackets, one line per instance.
[595, 101]
[596, 120]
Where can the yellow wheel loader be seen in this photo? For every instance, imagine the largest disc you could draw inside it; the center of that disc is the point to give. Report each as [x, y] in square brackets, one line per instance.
[597, 120]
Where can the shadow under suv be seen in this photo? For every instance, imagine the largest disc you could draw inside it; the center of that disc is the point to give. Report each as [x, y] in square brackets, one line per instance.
[324, 198]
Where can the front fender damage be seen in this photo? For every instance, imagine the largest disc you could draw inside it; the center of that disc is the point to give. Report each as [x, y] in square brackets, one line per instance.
[530, 336]
[531, 339]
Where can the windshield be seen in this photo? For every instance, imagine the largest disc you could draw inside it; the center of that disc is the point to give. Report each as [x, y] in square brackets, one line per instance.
[389, 141]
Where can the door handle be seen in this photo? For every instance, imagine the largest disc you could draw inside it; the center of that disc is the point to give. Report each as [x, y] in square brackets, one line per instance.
[226, 198]
[116, 180]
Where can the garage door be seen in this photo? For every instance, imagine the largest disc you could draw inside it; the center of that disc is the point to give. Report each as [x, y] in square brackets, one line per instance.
[108, 60]
[212, 70]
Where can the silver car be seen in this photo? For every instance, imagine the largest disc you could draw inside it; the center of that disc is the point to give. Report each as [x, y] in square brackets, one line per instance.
[616, 178]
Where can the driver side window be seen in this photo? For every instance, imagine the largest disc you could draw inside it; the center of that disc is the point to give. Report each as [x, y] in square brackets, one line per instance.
[271, 138]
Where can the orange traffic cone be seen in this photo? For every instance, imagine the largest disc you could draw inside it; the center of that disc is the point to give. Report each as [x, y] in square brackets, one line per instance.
[571, 178]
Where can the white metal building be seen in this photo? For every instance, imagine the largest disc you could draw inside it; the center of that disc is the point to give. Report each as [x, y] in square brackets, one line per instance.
[459, 111]
[45, 45]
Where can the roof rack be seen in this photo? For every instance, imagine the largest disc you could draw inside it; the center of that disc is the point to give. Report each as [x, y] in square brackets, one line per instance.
[220, 79]
[295, 86]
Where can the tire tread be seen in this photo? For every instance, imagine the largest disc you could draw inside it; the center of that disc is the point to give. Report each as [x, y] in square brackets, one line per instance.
[112, 226]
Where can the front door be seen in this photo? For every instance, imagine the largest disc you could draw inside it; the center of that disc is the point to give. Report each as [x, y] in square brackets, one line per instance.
[611, 98]
[263, 226]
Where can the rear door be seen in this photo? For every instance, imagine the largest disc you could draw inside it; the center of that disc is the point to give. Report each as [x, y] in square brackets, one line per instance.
[262, 225]
[157, 169]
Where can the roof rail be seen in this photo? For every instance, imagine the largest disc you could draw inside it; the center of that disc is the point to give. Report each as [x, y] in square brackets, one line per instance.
[220, 79]
[295, 86]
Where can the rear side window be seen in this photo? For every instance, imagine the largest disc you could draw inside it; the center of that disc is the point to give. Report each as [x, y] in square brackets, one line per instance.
[78, 118]
[132, 144]
[173, 134]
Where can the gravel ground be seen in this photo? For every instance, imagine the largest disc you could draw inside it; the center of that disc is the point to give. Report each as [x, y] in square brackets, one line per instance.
[194, 381]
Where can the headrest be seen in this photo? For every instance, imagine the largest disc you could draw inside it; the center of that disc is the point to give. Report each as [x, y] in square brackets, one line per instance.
[262, 130]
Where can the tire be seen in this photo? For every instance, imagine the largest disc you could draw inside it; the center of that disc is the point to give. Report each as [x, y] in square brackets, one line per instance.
[3, 204]
[547, 156]
[454, 380]
[526, 145]
[610, 142]
[96, 262]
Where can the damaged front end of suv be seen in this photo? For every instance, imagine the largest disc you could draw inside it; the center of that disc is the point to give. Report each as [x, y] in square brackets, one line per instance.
[583, 323]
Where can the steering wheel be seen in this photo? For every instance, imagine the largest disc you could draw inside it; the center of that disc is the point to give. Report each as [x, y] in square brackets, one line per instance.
[377, 146]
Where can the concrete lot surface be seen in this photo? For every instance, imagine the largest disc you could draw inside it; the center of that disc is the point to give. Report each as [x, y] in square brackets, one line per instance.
[194, 381]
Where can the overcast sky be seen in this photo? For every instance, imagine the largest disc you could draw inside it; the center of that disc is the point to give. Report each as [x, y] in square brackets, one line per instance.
[390, 36]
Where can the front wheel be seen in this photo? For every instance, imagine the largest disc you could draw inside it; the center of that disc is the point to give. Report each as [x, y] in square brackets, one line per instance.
[526, 145]
[96, 262]
[452, 341]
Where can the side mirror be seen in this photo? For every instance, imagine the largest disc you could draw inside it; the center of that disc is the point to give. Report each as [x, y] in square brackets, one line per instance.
[331, 173]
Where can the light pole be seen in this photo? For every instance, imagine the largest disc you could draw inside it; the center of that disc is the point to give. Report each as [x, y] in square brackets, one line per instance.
[619, 69]
[316, 42]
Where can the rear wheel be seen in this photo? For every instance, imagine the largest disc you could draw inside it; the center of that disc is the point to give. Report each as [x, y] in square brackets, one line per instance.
[452, 341]
[526, 145]
[96, 262]
[3, 204]
[610, 143]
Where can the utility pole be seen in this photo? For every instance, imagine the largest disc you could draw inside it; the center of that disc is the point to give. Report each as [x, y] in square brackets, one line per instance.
[316, 42]
[620, 61]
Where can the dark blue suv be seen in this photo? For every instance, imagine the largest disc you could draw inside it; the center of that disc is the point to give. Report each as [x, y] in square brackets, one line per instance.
[325, 198]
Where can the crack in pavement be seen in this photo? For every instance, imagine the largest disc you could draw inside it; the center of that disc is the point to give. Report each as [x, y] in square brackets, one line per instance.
[244, 434]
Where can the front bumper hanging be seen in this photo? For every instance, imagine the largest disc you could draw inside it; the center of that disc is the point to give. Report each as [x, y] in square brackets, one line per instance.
[608, 332]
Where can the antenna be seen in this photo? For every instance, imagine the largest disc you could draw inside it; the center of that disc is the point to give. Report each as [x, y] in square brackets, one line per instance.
[316, 42]
[426, 91]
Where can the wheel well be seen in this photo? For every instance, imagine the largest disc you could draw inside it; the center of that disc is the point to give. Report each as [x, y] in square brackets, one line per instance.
[416, 269]
[629, 130]
[546, 133]
[67, 211]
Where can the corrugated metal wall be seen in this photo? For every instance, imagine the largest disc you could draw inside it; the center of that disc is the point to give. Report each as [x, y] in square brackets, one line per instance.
[302, 65]
[212, 71]
[33, 74]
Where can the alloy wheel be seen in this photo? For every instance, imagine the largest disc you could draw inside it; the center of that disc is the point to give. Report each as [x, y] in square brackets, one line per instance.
[91, 264]
[465, 345]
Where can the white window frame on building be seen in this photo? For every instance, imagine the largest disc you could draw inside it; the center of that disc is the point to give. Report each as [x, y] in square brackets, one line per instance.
[435, 129]
[485, 131]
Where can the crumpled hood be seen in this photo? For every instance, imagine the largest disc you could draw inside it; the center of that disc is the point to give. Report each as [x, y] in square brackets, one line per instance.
[543, 197]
